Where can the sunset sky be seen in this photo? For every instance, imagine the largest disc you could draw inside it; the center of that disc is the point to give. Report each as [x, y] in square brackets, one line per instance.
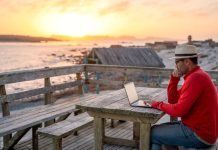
[139, 18]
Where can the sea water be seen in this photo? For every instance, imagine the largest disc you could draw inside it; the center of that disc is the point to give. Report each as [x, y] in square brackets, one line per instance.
[24, 56]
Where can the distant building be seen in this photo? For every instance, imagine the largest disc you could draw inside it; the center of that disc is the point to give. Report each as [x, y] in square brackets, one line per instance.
[125, 56]
[162, 45]
[205, 43]
[116, 46]
[189, 39]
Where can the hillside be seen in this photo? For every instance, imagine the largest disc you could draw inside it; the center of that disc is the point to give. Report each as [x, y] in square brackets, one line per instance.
[23, 38]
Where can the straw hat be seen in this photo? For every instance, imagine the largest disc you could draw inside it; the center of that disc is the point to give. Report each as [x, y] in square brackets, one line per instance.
[185, 51]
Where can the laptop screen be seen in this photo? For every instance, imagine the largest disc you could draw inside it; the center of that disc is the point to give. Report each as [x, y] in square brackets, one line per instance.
[131, 92]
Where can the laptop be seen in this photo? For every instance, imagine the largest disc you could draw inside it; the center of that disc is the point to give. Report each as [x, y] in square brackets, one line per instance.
[133, 96]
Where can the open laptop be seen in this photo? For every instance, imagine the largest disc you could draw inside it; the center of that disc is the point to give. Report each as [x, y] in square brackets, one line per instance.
[133, 96]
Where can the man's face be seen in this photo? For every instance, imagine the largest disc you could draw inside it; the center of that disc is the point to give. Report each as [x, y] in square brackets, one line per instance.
[181, 66]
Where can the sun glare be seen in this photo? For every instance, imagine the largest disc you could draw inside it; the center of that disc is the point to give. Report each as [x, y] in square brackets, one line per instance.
[68, 24]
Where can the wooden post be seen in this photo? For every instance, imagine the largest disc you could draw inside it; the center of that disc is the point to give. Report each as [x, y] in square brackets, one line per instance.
[35, 141]
[57, 142]
[144, 143]
[160, 79]
[97, 78]
[5, 112]
[48, 96]
[136, 131]
[97, 85]
[48, 99]
[5, 105]
[145, 78]
[125, 78]
[80, 87]
[112, 123]
[85, 85]
[99, 133]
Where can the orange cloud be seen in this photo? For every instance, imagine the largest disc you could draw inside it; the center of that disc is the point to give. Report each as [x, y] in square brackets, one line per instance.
[115, 8]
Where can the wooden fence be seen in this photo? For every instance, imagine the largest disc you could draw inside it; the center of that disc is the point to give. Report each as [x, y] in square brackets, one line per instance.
[86, 75]
[46, 74]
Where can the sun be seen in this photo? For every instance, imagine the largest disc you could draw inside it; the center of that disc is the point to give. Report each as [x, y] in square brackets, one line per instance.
[70, 24]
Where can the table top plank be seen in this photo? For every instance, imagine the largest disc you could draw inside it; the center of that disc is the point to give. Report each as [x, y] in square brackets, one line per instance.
[106, 99]
[117, 103]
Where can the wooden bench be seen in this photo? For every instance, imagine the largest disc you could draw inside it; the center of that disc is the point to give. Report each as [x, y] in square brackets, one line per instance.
[64, 128]
[20, 123]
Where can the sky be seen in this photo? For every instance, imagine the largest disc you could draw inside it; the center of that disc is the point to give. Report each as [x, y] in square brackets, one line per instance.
[139, 18]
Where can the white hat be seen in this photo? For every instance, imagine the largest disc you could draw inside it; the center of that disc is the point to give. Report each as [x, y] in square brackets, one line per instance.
[185, 51]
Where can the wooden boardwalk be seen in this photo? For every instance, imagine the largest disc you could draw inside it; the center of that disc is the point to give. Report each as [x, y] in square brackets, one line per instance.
[85, 139]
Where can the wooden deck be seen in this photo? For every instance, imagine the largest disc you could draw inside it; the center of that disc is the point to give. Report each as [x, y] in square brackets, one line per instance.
[85, 139]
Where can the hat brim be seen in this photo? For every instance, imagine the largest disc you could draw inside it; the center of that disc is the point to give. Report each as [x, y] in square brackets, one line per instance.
[180, 57]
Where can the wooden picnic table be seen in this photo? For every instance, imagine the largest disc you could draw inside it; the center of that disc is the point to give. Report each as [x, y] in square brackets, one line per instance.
[114, 105]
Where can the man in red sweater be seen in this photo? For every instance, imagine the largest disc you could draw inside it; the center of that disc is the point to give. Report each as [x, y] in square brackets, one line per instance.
[195, 102]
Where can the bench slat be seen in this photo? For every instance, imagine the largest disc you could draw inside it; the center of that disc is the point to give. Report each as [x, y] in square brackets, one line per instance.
[32, 117]
[64, 128]
[29, 114]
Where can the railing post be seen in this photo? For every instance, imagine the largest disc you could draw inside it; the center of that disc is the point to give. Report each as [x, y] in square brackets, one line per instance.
[125, 78]
[48, 99]
[48, 96]
[5, 112]
[145, 78]
[5, 105]
[85, 86]
[97, 88]
[80, 87]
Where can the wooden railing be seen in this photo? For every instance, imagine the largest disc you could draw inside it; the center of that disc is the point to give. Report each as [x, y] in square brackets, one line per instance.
[46, 74]
[96, 76]
[158, 76]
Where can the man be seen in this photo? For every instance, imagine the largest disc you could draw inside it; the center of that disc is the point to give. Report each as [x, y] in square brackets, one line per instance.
[195, 102]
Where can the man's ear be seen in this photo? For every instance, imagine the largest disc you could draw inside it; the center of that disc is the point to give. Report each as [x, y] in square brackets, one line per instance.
[187, 61]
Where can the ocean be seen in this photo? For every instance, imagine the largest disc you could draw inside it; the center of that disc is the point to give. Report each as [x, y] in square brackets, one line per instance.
[24, 56]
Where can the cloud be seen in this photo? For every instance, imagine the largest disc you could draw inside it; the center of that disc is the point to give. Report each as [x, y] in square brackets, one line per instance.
[147, 8]
[114, 8]
[34, 5]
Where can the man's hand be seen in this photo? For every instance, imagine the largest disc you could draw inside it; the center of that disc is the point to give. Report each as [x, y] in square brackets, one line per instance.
[176, 73]
[153, 103]
[149, 102]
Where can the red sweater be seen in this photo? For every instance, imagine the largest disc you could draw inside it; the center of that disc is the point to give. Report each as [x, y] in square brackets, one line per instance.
[196, 103]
